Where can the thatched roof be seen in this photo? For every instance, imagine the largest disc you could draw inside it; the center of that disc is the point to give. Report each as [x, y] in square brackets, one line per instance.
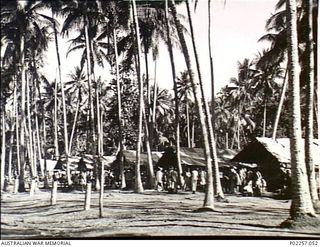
[278, 149]
[130, 156]
[195, 157]
[74, 161]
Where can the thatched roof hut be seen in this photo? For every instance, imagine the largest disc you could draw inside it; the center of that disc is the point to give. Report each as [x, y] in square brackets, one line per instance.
[262, 149]
[272, 157]
[194, 157]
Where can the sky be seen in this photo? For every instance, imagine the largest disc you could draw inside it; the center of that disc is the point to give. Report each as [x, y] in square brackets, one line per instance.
[237, 26]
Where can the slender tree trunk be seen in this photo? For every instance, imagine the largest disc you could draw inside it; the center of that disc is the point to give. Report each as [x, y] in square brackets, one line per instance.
[65, 130]
[155, 96]
[149, 117]
[309, 108]
[264, 119]
[54, 189]
[122, 173]
[74, 124]
[209, 195]
[301, 204]
[89, 74]
[101, 190]
[152, 178]
[227, 140]
[217, 184]
[282, 97]
[87, 200]
[23, 118]
[192, 136]
[55, 121]
[10, 150]
[17, 135]
[238, 133]
[138, 183]
[3, 149]
[176, 97]
[211, 66]
[29, 132]
[188, 125]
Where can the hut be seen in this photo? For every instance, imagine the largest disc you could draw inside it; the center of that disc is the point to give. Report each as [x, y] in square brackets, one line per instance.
[273, 159]
[194, 158]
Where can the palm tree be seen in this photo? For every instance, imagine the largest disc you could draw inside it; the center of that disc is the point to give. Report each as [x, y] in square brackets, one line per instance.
[301, 205]
[267, 71]
[185, 94]
[209, 196]
[138, 182]
[309, 107]
[177, 116]
[20, 24]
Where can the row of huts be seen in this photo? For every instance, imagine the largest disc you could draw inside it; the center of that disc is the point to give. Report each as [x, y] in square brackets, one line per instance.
[270, 157]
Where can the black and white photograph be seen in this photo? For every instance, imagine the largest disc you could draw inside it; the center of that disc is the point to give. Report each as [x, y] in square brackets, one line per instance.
[159, 120]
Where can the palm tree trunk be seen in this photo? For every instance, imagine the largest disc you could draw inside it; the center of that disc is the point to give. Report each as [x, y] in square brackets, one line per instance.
[122, 174]
[101, 187]
[301, 204]
[209, 195]
[176, 97]
[282, 97]
[17, 134]
[53, 199]
[149, 118]
[23, 118]
[211, 66]
[188, 124]
[309, 107]
[264, 119]
[3, 149]
[192, 135]
[217, 184]
[55, 121]
[29, 132]
[89, 74]
[138, 183]
[227, 140]
[152, 178]
[87, 201]
[10, 150]
[155, 96]
[74, 124]
[65, 130]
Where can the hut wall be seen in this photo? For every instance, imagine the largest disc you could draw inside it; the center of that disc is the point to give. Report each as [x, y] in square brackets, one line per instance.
[272, 173]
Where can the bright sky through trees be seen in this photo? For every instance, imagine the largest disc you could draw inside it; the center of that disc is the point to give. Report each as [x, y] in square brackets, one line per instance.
[237, 26]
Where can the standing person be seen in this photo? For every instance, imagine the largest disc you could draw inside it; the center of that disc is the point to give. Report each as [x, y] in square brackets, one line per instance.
[194, 180]
[234, 181]
[159, 177]
[203, 177]
[173, 179]
[243, 178]
[187, 180]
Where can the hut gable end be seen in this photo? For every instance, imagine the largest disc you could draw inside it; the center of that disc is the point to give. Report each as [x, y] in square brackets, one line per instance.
[255, 152]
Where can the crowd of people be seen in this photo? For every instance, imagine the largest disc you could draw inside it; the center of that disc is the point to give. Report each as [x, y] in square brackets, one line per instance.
[248, 182]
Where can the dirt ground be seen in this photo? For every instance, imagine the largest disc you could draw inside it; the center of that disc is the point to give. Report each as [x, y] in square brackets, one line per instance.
[151, 214]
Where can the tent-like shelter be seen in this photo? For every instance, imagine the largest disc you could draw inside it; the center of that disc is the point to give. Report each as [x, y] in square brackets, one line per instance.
[273, 157]
[194, 157]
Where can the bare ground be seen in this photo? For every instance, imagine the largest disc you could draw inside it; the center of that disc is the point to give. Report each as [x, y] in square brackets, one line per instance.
[151, 214]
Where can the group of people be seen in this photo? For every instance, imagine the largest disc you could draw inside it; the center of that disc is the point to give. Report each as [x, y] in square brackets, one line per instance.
[248, 182]
[193, 180]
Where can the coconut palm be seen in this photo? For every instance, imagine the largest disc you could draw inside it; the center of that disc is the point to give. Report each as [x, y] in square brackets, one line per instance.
[309, 106]
[185, 95]
[301, 205]
[20, 23]
[209, 196]
[138, 183]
